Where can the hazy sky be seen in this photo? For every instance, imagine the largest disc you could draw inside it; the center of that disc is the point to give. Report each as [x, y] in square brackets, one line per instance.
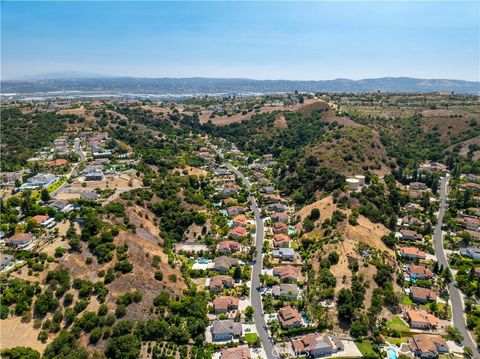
[262, 40]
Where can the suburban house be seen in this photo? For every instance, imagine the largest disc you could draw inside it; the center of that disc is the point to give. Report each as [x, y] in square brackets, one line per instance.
[240, 352]
[228, 246]
[289, 291]
[224, 304]
[279, 217]
[40, 180]
[238, 232]
[408, 221]
[471, 223]
[280, 227]
[221, 172]
[413, 253]
[226, 330]
[223, 264]
[276, 207]
[470, 252]
[413, 207]
[40, 219]
[420, 319]
[239, 220]
[422, 295]
[410, 235]
[419, 272]
[415, 195]
[94, 176]
[428, 345]
[234, 210]
[218, 282]
[60, 205]
[287, 273]
[281, 240]
[471, 185]
[271, 198]
[227, 192]
[20, 240]
[418, 186]
[314, 345]
[285, 254]
[289, 318]
[267, 190]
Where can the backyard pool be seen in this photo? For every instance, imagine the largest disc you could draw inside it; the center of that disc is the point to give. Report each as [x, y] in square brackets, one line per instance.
[291, 230]
[392, 354]
[306, 320]
[204, 261]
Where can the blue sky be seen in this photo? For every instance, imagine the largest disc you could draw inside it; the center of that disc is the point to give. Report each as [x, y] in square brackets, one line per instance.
[262, 40]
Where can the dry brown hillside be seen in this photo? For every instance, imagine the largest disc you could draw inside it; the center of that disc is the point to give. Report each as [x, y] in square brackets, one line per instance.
[350, 150]
[351, 245]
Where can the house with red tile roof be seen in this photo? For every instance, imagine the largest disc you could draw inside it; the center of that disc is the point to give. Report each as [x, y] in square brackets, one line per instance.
[239, 220]
[315, 345]
[281, 240]
[218, 282]
[410, 235]
[279, 227]
[240, 352]
[421, 319]
[422, 295]
[287, 273]
[20, 240]
[40, 219]
[428, 345]
[224, 304]
[238, 232]
[412, 253]
[228, 246]
[289, 318]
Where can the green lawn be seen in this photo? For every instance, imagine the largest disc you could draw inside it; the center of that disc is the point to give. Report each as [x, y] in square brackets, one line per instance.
[397, 341]
[252, 338]
[54, 186]
[366, 348]
[406, 300]
[397, 324]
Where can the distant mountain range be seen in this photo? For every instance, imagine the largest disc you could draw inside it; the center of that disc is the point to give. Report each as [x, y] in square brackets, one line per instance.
[197, 85]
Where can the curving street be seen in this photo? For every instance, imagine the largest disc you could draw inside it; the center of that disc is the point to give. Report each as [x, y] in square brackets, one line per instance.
[456, 297]
[255, 297]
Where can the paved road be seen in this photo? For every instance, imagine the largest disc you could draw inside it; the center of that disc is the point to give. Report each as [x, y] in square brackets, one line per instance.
[255, 297]
[78, 148]
[456, 298]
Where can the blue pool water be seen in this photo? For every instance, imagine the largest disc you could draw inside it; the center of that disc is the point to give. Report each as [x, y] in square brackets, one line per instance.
[305, 319]
[291, 231]
[392, 354]
[204, 261]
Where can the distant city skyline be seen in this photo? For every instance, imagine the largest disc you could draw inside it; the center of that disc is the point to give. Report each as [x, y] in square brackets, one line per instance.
[257, 40]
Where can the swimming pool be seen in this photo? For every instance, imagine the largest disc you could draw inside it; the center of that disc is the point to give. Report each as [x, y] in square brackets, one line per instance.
[204, 261]
[291, 230]
[392, 354]
[306, 320]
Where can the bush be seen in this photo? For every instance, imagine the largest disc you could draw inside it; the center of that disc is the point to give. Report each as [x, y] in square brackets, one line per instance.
[158, 275]
[120, 311]
[95, 335]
